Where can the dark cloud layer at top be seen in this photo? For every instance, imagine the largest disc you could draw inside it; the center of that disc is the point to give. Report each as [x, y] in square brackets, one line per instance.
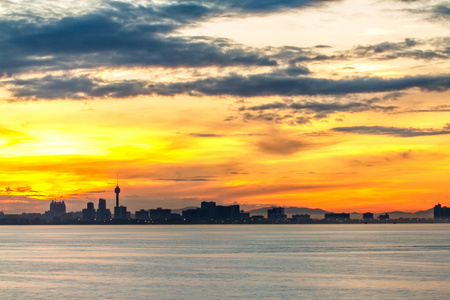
[126, 35]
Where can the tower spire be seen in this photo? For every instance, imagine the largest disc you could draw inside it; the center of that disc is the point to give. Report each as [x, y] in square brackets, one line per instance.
[117, 191]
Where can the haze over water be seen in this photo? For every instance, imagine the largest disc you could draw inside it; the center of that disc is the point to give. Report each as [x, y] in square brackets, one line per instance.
[386, 261]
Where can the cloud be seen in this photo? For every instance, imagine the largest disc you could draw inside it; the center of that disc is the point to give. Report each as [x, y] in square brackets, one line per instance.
[393, 131]
[310, 110]
[19, 190]
[123, 34]
[85, 87]
[279, 144]
[214, 135]
[206, 135]
[271, 85]
[324, 107]
[434, 13]
[119, 35]
[385, 47]
[75, 87]
[185, 179]
[403, 49]
[441, 11]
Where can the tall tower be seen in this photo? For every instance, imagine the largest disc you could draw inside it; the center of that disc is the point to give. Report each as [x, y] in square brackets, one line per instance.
[117, 191]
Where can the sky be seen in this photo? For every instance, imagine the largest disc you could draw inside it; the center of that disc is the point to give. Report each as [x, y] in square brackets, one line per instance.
[339, 105]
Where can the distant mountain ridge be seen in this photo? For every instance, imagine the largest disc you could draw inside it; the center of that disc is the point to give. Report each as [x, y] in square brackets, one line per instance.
[318, 213]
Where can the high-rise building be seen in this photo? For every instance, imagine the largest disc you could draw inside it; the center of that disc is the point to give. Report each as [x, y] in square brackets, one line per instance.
[160, 214]
[367, 216]
[276, 214]
[57, 212]
[121, 213]
[301, 217]
[384, 217]
[57, 207]
[141, 214]
[88, 213]
[441, 212]
[227, 213]
[337, 217]
[210, 208]
[103, 214]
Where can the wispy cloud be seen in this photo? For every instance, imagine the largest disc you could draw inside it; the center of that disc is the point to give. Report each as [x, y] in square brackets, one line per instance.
[393, 131]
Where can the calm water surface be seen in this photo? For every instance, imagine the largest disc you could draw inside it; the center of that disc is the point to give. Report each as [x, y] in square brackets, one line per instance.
[367, 261]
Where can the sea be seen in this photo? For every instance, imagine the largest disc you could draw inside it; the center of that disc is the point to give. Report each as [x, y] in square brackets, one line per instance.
[342, 261]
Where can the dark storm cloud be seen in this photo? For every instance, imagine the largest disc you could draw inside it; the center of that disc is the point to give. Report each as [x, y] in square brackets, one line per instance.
[84, 87]
[393, 131]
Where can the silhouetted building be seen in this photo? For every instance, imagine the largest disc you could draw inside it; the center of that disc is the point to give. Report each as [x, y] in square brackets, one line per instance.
[384, 217]
[89, 213]
[57, 208]
[367, 216]
[337, 217]
[103, 214]
[141, 214]
[227, 213]
[301, 218]
[160, 214]
[244, 216]
[117, 191]
[194, 214]
[257, 219]
[276, 214]
[121, 213]
[57, 212]
[210, 208]
[441, 212]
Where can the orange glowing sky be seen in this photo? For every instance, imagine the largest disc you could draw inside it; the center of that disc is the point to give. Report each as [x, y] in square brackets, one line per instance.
[339, 105]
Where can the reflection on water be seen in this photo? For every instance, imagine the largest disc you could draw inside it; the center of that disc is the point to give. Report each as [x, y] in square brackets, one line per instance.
[385, 261]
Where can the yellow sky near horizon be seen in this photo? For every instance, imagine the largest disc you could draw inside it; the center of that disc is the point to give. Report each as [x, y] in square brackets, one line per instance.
[376, 150]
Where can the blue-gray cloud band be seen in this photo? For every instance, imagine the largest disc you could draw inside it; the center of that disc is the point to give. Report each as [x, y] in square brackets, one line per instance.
[123, 34]
[83, 87]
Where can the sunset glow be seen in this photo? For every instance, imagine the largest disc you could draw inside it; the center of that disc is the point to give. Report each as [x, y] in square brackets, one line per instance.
[339, 105]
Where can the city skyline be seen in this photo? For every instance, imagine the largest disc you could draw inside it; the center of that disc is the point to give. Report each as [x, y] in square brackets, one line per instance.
[214, 213]
[342, 105]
